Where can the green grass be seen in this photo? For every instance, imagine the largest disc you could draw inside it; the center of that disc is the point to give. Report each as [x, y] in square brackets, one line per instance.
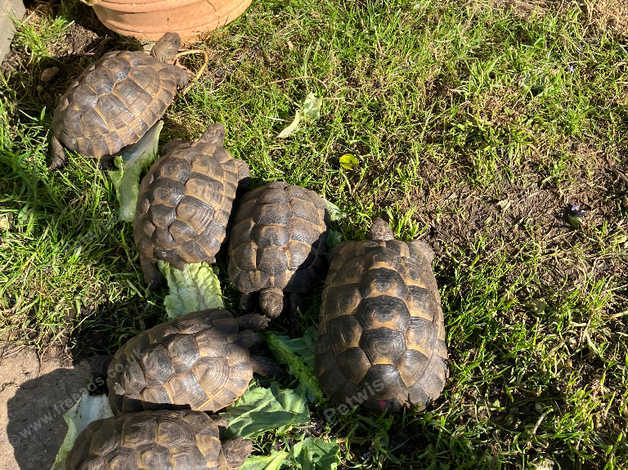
[474, 127]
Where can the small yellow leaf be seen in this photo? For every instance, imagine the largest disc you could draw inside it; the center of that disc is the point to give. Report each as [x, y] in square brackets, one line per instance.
[348, 161]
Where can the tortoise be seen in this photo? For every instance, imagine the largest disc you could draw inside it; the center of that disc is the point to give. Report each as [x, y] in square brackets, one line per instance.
[159, 439]
[382, 336]
[116, 101]
[185, 201]
[200, 360]
[277, 243]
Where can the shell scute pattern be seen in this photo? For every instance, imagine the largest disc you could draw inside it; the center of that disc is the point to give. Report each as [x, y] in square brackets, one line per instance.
[276, 229]
[169, 440]
[114, 103]
[185, 201]
[382, 336]
[195, 360]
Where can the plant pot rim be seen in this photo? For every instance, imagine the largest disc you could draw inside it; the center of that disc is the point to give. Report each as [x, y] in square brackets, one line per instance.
[140, 6]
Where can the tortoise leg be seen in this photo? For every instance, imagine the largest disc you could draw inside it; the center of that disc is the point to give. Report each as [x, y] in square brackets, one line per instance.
[235, 452]
[57, 154]
[249, 339]
[244, 175]
[174, 144]
[214, 134]
[219, 421]
[152, 275]
[182, 76]
[247, 302]
[243, 169]
[265, 366]
[253, 321]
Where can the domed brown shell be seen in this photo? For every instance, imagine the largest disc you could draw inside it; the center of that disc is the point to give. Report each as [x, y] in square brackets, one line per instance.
[382, 336]
[193, 360]
[114, 103]
[277, 239]
[164, 440]
[185, 201]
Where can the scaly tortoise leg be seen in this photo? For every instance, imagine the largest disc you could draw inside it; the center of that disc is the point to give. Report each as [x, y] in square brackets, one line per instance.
[57, 154]
[152, 275]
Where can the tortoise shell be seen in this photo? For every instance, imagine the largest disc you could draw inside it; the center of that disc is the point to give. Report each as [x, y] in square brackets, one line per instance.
[164, 440]
[277, 239]
[382, 336]
[185, 201]
[194, 360]
[114, 102]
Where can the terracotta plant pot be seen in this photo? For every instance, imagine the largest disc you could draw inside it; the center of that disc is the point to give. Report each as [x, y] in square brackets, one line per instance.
[150, 19]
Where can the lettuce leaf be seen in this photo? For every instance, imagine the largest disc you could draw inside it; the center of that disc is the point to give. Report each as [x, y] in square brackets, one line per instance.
[298, 355]
[313, 453]
[194, 288]
[130, 164]
[261, 409]
[87, 409]
[274, 461]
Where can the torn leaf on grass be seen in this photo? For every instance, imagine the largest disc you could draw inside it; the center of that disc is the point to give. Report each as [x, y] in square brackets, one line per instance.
[87, 409]
[131, 163]
[261, 409]
[310, 111]
[294, 125]
[335, 213]
[312, 107]
[194, 288]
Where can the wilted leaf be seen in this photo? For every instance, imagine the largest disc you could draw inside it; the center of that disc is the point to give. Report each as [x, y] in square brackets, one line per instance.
[313, 453]
[334, 211]
[87, 409]
[194, 288]
[312, 107]
[261, 409]
[284, 349]
[130, 163]
[274, 461]
[348, 161]
[310, 111]
[294, 125]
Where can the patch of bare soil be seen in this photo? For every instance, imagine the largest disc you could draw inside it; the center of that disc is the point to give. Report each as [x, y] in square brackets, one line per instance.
[83, 42]
[34, 393]
[610, 13]
[517, 216]
[605, 14]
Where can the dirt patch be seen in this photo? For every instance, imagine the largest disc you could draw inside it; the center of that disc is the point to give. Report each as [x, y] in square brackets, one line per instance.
[83, 41]
[34, 394]
[605, 14]
[610, 13]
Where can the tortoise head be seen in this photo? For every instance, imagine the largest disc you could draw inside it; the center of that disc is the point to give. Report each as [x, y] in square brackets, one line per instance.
[381, 231]
[215, 134]
[235, 452]
[166, 48]
[271, 301]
